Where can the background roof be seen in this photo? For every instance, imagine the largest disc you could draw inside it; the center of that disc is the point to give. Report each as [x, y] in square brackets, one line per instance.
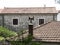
[1, 10]
[30, 10]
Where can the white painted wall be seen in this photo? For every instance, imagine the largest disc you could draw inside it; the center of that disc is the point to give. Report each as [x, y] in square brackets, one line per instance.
[58, 19]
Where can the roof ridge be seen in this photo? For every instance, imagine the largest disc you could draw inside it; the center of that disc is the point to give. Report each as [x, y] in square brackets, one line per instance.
[26, 7]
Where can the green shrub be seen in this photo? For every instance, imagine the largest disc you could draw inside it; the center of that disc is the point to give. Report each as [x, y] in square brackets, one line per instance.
[23, 43]
[4, 32]
[2, 38]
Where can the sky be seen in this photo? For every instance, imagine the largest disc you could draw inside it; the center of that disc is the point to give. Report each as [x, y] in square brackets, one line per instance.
[29, 3]
[26, 3]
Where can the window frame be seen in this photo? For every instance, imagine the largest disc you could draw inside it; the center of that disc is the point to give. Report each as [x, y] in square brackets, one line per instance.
[41, 22]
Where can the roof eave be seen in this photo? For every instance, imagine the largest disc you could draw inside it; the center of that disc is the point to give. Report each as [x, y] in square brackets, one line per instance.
[28, 13]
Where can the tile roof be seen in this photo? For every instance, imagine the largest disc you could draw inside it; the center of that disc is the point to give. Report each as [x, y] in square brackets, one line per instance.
[49, 32]
[58, 11]
[30, 10]
[1, 10]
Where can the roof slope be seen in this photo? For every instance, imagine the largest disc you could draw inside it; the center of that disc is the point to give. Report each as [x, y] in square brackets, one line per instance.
[58, 11]
[30, 10]
[49, 32]
[1, 10]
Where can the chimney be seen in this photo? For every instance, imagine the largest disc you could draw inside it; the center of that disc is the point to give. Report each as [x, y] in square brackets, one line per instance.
[30, 26]
[44, 5]
[31, 29]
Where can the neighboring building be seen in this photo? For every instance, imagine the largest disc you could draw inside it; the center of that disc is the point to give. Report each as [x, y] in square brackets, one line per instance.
[48, 34]
[58, 15]
[18, 18]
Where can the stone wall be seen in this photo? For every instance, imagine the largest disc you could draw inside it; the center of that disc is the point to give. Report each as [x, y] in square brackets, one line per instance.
[0, 20]
[23, 20]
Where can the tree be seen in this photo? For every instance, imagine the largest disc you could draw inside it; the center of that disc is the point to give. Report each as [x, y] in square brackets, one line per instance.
[57, 1]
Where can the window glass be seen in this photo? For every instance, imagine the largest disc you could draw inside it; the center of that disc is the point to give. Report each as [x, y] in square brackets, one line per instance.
[41, 21]
[15, 21]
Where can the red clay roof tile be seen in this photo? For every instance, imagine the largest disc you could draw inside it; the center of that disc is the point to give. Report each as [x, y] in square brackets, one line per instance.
[30, 10]
[49, 32]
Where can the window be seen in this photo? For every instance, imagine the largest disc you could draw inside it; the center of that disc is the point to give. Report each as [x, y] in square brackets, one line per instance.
[41, 21]
[15, 21]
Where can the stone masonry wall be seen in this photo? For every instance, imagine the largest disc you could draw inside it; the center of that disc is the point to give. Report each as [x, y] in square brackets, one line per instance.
[23, 20]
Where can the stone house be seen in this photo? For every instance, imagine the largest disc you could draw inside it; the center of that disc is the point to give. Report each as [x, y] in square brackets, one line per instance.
[18, 18]
[46, 27]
